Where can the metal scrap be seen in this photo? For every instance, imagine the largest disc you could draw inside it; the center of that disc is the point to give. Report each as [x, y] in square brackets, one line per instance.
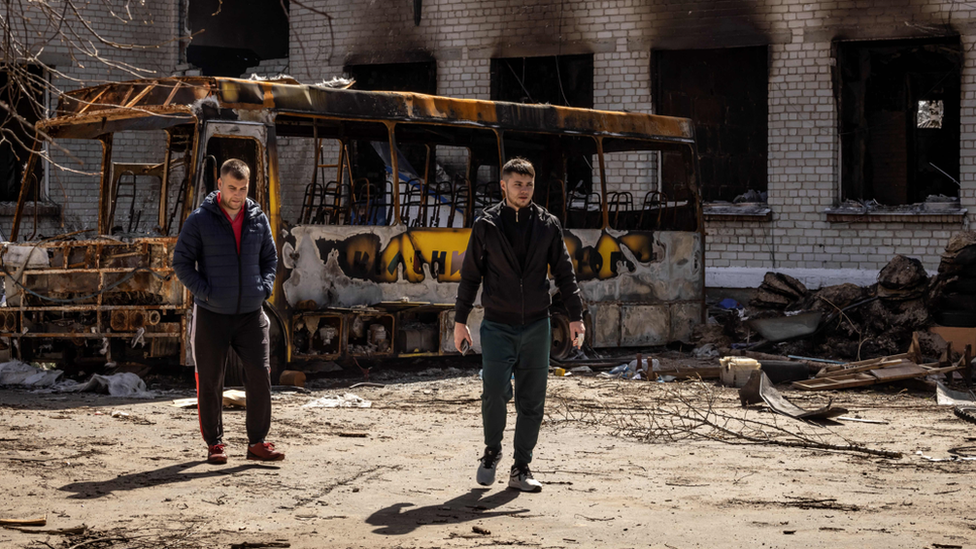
[760, 389]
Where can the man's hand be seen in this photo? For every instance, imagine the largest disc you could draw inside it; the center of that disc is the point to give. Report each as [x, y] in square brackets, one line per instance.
[577, 330]
[461, 334]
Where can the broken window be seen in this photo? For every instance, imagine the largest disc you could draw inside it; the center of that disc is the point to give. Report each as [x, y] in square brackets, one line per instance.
[556, 79]
[563, 175]
[349, 172]
[20, 88]
[417, 77]
[640, 202]
[443, 189]
[899, 119]
[229, 38]
[137, 201]
[725, 92]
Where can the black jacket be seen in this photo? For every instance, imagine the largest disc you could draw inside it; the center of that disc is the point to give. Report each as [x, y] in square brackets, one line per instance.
[207, 263]
[511, 294]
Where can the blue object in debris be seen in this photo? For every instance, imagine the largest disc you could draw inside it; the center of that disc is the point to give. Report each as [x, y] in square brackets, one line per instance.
[729, 303]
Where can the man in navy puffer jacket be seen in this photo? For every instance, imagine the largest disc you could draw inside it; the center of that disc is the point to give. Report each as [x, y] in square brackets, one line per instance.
[226, 257]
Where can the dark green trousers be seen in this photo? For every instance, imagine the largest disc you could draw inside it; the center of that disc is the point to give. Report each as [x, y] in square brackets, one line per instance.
[524, 351]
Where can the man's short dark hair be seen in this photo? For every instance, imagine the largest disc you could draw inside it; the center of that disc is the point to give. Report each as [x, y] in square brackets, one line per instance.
[236, 168]
[518, 165]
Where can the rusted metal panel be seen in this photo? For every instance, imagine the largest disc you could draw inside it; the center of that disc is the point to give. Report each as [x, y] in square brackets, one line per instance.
[346, 266]
[80, 114]
[59, 292]
[645, 325]
[604, 328]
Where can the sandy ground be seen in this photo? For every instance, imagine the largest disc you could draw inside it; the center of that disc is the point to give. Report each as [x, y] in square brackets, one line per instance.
[141, 481]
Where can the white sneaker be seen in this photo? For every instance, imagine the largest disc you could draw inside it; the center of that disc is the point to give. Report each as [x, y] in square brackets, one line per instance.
[521, 479]
[487, 466]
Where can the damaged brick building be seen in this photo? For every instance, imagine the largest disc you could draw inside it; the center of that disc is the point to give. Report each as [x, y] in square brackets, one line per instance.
[831, 135]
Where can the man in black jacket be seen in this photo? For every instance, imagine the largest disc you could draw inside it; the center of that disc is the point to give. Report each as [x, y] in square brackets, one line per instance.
[512, 248]
[226, 257]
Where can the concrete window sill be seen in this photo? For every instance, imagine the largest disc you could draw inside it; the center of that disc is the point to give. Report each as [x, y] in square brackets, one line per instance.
[724, 211]
[942, 216]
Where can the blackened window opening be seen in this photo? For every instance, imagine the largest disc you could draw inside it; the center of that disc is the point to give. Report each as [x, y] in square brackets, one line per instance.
[20, 87]
[229, 38]
[885, 155]
[565, 80]
[725, 92]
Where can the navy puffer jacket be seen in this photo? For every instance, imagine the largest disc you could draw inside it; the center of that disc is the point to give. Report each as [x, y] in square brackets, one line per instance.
[207, 263]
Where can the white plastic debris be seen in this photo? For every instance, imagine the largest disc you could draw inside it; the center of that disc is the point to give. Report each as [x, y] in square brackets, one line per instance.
[120, 414]
[21, 373]
[126, 385]
[947, 397]
[347, 400]
[707, 350]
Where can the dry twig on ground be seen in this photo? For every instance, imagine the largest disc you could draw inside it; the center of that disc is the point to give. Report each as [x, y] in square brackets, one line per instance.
[689, 411]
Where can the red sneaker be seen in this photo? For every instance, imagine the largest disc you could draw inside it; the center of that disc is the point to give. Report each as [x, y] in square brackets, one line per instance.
[216, 454]
[264, 451]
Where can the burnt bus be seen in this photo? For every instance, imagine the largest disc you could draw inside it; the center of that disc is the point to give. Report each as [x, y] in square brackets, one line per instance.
[371, 198]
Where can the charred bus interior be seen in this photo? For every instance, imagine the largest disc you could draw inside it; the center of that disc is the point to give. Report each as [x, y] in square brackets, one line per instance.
[371, 214]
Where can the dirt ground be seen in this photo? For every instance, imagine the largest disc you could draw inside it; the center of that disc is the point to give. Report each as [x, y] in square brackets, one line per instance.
[620, 465]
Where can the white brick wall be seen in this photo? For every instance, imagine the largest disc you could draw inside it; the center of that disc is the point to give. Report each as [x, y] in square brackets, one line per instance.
[803, 154]
[803, 164]
[151, 32]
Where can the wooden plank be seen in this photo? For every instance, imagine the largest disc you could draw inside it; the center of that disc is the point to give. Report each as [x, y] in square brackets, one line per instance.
[42, 521]
[904, 371]
[893, 359]
[838, 382]
[865, 367]
[864, 379]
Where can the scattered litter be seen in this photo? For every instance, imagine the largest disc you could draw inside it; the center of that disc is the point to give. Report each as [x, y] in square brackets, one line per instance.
[947, 397]
[759, 389]
[231, 397]
[859, 420]
[120, 414]
[235, 397]
[951, 458]
[581, 370]
[366, 384]
[707, 350]
[347, 400]
[480, 530]
[126, 384]
[879, 370]
[735, 370]
[787, 327]
[21, 373]
[729, 303]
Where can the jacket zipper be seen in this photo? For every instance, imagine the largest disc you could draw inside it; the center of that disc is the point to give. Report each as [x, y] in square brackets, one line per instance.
[522, 274]
[240, 274]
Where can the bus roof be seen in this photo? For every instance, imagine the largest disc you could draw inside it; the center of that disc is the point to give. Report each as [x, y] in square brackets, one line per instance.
[164, 102]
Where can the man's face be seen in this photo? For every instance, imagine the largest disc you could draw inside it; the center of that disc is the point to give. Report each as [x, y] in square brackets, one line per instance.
[518, 189]
[233, 192]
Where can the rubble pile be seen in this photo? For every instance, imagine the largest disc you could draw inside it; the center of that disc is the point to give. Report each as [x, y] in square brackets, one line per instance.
[778, 291]
[953, 295]
[857, 321]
